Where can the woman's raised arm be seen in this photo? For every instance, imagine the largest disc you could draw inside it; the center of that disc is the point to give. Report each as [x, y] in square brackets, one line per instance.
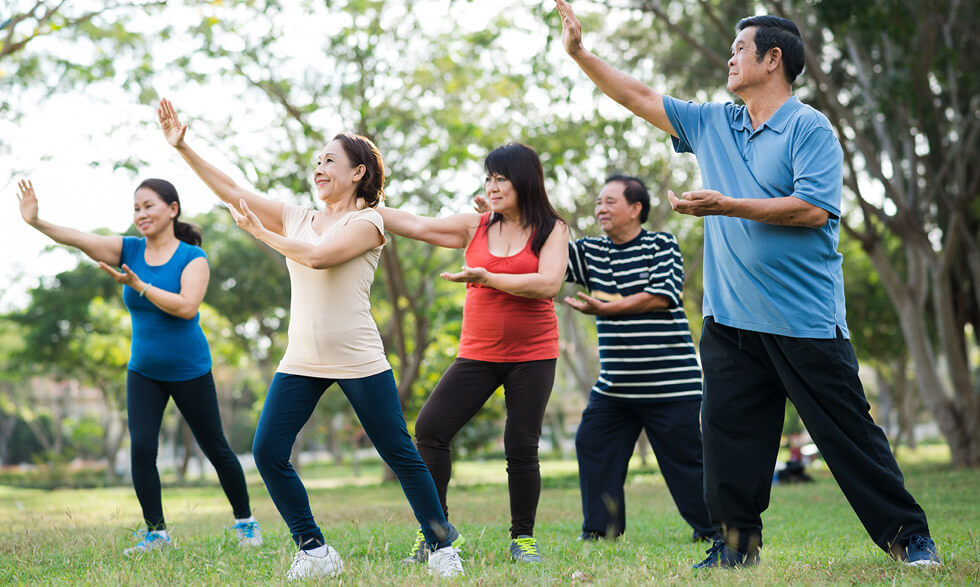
[269, 211]
[105, 249]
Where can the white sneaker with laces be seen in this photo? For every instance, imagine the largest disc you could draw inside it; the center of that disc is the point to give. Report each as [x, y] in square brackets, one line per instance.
[306, 565]
[149, 540]
[446, 562]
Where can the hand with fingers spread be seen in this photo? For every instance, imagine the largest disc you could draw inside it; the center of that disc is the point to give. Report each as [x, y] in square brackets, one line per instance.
[126, 277]
[246, 219]
[571, 28]
[172, 129]
[28, 201]
[586, 304]
[699, 203]
[467, 275]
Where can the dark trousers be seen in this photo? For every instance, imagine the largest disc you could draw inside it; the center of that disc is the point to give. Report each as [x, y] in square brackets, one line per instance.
[604, 444]
[197, 401]
[290, 403]
[459, 395]
[748, 376]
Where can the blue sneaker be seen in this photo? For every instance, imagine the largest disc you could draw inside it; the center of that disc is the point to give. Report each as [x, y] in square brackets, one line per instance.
[249, 533]
[151, 540]
[921, 552]
[721, 556]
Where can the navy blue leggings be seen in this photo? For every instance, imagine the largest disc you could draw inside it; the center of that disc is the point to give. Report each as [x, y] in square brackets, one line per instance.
[198, 402]
[288, 406]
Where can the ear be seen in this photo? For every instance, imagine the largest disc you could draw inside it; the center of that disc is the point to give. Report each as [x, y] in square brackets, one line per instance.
[635, 209]
[359, 172]
[174, 209]
[774, 60]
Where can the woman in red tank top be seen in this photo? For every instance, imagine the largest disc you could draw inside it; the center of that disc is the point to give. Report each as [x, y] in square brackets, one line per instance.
[516, 256]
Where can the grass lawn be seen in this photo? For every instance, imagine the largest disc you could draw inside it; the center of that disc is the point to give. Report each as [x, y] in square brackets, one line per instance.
[812, 536]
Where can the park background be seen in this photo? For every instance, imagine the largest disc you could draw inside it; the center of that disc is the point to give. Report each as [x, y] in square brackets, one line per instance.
[437, 84]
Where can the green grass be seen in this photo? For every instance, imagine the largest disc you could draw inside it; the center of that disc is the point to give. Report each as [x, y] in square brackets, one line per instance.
[812, 536]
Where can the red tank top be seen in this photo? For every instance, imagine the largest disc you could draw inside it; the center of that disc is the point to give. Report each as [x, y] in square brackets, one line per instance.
[500, 327]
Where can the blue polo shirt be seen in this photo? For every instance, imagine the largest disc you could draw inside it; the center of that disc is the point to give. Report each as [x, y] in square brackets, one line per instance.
[782, 280]
[163, 347]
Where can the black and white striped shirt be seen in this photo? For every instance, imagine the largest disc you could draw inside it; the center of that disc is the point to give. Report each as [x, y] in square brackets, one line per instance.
[647, 356]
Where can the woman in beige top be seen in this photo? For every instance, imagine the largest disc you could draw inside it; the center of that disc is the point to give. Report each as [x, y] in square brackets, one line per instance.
[331, 255]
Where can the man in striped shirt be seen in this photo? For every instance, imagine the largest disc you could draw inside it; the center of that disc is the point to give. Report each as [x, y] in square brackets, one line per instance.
[649, 376]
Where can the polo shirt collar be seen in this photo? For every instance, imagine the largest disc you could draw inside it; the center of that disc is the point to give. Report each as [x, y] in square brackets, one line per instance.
[776, 122]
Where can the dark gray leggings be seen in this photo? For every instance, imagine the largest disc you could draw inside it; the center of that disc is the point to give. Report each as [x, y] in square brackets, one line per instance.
[197, 400]
[459, 395]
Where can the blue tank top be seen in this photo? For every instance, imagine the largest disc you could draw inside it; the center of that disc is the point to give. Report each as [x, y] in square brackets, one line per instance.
[163, 346]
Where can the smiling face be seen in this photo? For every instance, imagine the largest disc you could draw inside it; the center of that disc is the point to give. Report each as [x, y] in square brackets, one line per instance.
[616, 215]
[745, 70]
[501, 194]
[334, 177]
[151, 214]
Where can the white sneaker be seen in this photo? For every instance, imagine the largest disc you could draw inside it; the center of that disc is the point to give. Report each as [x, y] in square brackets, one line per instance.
[151, 540]
[248, 533]
[445, 562]
[305, 565]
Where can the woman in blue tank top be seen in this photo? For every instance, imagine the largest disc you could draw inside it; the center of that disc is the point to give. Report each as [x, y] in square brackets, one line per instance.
[164, 275]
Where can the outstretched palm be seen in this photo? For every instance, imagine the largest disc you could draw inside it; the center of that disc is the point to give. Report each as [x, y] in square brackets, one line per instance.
[571, 29]
[28, 201]
[172, 129]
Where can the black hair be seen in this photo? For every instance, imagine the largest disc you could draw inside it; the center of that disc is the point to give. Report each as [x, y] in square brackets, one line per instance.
[522, 167]
[362, 151]
[188, 233]
[776, 31]
[635, 191]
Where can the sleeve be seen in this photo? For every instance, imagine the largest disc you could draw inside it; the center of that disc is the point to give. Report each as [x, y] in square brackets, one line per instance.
[686, 118]
[666, 269]
[818, 170]
[292, 216]
[578, 271]
[129, 243]
[193, 252]
[371, 215]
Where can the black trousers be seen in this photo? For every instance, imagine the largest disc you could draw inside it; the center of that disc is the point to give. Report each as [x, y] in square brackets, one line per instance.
[197, 401]
[604, 444]
[747, 378]
[459, 395]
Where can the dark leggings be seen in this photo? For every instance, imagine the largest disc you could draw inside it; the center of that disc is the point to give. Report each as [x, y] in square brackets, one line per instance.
[460, 394]
[288, 406]
[197, 401]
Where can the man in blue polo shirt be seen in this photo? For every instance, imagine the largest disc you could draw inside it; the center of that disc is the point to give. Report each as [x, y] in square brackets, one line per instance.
[774, 324]
[649, 377]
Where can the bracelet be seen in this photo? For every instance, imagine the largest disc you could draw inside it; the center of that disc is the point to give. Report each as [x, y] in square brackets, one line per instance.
[148, 286]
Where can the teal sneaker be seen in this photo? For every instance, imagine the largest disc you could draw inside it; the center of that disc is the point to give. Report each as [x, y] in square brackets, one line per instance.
[248, 533]
[420, 549]
[150, 540]
[524, 549]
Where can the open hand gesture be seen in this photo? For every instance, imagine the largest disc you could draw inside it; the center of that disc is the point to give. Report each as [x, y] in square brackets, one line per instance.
[172, 129]
[246, 219]
[28, 201]
[586, 304]
[127, 277]
[480, 204]
[698, 203]
[468, 275]
[571, 28]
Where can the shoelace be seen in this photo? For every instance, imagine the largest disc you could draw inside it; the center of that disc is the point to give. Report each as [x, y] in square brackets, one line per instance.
[527, 545]
[715, 548]
[247, 528]
[419, 543]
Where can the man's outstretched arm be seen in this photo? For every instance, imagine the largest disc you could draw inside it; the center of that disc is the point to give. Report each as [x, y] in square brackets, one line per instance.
[625, 89]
